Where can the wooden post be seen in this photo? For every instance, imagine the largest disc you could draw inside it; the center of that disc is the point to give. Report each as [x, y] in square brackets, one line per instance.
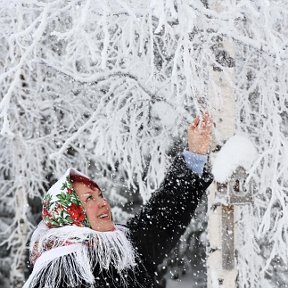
[228, 262]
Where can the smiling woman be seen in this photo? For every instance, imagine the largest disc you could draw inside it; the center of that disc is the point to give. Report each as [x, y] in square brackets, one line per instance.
[97, 207]
[78, 245]
[77, 226]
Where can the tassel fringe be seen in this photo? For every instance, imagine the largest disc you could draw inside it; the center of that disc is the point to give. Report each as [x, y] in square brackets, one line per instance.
[70, 253]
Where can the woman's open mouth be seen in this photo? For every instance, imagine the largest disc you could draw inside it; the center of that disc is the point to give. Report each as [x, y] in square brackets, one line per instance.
[104, 216]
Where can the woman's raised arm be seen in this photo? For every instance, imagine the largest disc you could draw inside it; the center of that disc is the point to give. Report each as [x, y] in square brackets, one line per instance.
[156, 229]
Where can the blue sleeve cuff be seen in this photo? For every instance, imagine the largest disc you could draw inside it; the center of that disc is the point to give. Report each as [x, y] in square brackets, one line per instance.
[195, 162]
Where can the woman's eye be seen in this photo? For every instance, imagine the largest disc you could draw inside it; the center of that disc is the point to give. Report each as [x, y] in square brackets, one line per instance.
[90, 197]
[100, 194]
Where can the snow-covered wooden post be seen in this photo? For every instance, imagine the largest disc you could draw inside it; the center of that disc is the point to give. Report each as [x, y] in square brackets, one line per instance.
[230, 171]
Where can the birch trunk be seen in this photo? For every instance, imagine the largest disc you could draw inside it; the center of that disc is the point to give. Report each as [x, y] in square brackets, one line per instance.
[224, 118]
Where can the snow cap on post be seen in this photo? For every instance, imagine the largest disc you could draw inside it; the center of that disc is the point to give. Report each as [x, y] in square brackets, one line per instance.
[237, 151]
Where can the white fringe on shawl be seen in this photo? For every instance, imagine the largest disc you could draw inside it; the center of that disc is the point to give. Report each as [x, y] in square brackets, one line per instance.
[86, 246]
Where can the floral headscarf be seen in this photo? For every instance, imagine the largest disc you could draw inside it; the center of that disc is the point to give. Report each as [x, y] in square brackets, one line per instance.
[61, 205]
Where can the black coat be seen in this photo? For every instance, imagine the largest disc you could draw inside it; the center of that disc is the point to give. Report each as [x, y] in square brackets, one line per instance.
[156, 229]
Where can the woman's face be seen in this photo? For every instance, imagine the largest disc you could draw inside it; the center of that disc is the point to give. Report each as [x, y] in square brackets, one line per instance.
[97, 208]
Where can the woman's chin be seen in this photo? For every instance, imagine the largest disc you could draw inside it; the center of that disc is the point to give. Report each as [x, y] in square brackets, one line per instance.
[104, 227]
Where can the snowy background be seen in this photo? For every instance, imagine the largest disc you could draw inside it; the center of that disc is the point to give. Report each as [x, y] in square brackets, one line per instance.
[109, 88]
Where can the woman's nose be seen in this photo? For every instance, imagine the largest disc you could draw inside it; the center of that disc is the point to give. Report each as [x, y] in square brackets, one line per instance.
[102, 203]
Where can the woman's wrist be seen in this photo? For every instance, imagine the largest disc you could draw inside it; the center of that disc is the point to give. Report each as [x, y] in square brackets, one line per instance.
[195, 161]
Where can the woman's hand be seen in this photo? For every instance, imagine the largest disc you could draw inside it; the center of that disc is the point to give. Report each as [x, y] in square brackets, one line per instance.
[200, 134]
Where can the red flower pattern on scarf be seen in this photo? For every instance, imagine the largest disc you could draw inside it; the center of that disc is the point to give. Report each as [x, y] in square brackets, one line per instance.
[64, 208]
[69, 191]
[45, 212]
[76, 213]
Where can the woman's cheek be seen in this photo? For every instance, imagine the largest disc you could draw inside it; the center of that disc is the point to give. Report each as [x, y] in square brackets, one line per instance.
[91, 211]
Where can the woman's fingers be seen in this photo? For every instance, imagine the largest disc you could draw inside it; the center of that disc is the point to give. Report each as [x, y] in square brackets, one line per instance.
[199, 134]
[195, 122]
[205, 120]
[205, 124]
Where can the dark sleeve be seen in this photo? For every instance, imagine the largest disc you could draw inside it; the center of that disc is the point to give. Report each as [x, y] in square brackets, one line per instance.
[156, 229]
